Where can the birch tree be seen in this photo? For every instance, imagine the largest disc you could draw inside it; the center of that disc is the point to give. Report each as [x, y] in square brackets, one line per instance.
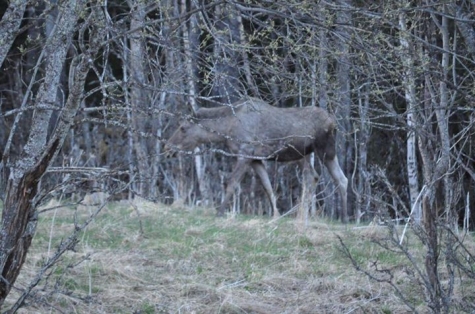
[344, 21]
[407, 55]
[435, 169]
[22, 174]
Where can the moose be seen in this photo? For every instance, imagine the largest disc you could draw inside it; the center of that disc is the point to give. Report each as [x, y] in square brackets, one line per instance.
[254, 131]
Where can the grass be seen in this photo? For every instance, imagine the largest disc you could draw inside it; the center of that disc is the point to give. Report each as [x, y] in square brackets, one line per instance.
[161, 260]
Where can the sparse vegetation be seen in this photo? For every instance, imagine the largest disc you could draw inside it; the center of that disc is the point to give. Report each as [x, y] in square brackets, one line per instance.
[188, 261]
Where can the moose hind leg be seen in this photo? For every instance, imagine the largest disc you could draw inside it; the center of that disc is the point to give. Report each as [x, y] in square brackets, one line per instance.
[261, 172]
[234, 180]
[342, 183]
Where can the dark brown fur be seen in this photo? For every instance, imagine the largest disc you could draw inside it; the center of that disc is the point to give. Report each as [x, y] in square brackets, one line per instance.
[255, 131]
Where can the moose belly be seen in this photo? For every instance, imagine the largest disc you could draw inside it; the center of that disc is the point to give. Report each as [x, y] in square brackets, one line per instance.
[284, 153]
[291, 155]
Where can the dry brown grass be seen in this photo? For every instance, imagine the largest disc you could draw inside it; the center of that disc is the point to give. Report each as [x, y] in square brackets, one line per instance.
[188, 261]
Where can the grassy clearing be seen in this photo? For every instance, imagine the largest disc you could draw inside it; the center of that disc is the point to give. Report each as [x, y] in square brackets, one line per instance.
[163, 260]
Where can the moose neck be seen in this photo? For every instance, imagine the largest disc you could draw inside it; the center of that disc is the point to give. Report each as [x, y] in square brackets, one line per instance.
[212, 130]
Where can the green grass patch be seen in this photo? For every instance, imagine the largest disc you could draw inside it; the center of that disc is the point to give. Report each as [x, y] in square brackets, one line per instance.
[150, 258]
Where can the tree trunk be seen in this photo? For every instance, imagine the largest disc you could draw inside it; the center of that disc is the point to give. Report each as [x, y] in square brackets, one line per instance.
[411, 101]
[19, 211]
[323, 99]
[139, 102]
[363, 189]
[432, 254]
[464, 22]
[192, 36]
[308, 186]
[442, 114]
[226, 76]
[435, 177]
[250, 80]
[343, 76]
[9, 26]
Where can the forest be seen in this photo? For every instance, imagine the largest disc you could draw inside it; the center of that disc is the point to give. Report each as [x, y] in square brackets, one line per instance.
[90, 91]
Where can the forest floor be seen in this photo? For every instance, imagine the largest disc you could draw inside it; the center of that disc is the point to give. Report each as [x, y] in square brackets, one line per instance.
[152, 258]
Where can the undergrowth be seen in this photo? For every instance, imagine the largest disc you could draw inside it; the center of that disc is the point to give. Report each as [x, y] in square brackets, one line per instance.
[150, 258]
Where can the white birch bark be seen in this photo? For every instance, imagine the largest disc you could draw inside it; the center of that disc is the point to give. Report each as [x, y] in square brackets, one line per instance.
[344, 19]
[323, 99]
[362, 190]
[411, 100]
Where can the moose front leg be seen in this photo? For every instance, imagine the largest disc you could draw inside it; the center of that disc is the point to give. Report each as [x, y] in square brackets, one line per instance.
[236, 177]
